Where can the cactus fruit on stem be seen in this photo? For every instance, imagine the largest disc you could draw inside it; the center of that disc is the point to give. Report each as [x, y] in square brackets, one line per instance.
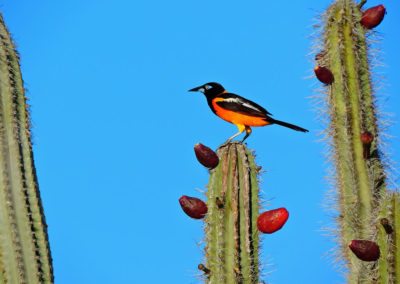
[24, 247]
[360, 173]
[232, 238]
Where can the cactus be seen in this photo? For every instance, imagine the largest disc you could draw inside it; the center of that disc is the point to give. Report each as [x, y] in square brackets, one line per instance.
[388, 238]
[24, 247]
[232, 238]
[362, 191]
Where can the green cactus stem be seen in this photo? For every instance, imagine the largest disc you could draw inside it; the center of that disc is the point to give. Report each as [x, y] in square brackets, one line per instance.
[388, 237]
[231, 223]
[360, 178]
[24, 247]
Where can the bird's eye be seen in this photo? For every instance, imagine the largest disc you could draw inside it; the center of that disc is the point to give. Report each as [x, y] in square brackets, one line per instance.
[207, 87]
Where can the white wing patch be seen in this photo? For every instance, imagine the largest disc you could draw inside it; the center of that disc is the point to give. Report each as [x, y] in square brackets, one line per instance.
[239, 101]
[232, 100]
[252, 107]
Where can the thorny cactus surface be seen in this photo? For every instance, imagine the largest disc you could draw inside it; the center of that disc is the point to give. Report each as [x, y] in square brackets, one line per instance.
[362, 194]
[24, 247]
[232, 238]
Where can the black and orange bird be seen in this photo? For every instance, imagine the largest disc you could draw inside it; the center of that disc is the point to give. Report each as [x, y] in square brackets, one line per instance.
[237, 110]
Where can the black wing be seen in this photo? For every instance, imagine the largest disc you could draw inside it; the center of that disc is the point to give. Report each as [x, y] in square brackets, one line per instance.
[241, 105]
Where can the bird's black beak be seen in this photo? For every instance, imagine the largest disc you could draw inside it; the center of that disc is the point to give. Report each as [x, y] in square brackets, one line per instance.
[198, 89]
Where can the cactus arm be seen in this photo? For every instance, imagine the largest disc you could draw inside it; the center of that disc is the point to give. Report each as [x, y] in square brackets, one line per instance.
[24, 249]
[353, 91]
[345, 179]
[362, 189]
[346, 116]
[389, 263]
[11, 168]
[231, 231]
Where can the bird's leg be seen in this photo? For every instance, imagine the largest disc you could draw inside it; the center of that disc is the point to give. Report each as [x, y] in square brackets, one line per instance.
[248, 132]
[241, 129]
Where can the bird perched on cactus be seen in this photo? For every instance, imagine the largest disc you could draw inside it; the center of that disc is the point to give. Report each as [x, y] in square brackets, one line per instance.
[238, 110]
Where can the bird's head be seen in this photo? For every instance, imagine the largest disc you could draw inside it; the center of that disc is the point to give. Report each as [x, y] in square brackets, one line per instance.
[209, 89]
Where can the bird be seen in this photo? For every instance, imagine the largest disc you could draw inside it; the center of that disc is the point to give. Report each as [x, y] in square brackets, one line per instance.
[238, 110]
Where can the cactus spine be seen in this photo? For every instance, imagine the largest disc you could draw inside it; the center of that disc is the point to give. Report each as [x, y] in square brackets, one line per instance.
[24, 247]
[231, 223]
[362, 190]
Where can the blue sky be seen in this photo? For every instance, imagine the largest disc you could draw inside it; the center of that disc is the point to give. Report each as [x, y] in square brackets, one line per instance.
[114, 128]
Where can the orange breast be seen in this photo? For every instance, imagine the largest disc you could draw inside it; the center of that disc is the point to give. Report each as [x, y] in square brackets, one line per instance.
[238, 118]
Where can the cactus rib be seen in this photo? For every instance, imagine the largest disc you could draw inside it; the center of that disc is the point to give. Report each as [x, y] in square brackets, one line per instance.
[24, 248]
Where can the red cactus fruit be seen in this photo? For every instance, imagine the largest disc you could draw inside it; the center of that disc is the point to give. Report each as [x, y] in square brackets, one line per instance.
[272, 220]
[324, 75]
[193, 207]
[373, 16]
[366, 139]
[206, 156]
[365, 250]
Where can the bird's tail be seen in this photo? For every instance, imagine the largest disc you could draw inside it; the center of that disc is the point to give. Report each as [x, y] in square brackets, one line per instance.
[288, 125]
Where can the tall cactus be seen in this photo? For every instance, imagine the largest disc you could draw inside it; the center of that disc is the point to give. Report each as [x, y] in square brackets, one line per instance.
[231, 223]
[24, 247]
[362, 191]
